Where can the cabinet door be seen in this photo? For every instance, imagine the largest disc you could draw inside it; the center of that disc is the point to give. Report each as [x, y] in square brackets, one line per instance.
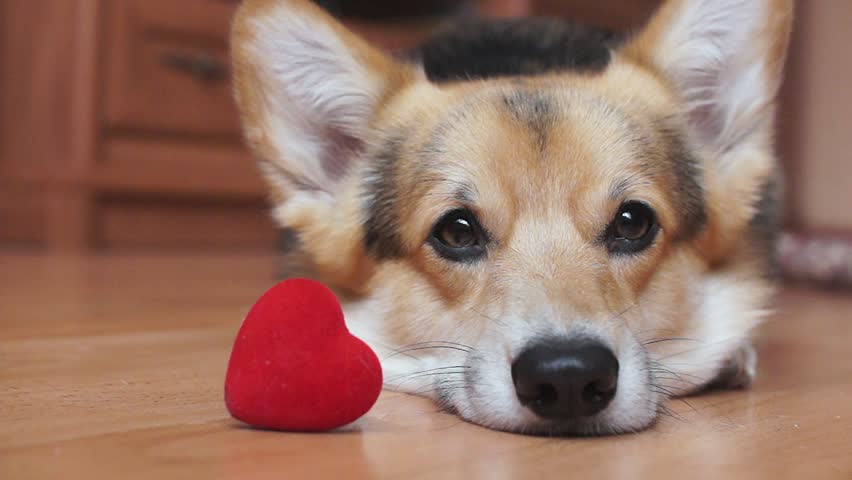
[167, 66]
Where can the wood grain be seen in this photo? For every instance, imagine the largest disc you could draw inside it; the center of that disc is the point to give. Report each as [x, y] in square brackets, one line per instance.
[112, 367]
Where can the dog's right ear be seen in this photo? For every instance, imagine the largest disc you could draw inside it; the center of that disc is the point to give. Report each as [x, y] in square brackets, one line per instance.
[307, 90]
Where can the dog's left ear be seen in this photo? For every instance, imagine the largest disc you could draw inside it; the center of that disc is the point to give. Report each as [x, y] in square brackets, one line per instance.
[725, 59]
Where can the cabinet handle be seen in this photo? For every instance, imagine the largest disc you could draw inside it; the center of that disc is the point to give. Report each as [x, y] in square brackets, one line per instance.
[204, 67]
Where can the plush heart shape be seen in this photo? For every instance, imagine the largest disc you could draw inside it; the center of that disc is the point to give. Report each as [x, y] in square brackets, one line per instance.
[295, 366]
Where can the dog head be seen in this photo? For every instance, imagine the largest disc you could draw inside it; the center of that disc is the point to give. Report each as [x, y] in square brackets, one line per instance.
[545, 253]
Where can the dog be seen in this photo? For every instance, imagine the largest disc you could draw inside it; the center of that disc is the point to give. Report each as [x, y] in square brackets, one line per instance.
[546, 228]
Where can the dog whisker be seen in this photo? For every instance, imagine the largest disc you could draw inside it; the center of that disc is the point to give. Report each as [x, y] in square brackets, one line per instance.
[444, 387]
[413, 349]
[669, 339]
[437, 369]
[487, 317]
[415, 376]
[659, 367]
[437, 342]
[692, 350]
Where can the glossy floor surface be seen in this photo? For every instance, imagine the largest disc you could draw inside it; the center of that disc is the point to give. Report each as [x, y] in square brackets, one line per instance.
[112, 367]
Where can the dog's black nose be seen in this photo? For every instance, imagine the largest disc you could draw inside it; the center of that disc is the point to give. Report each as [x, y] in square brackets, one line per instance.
[566, 379]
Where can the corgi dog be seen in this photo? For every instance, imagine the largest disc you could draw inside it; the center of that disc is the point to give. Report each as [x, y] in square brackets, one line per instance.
[544, 228]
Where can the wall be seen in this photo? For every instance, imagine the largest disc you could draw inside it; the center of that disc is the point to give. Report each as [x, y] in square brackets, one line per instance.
[817, 135]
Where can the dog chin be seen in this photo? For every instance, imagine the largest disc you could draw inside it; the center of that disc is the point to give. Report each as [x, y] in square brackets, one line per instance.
[591, 427]
[612, 421]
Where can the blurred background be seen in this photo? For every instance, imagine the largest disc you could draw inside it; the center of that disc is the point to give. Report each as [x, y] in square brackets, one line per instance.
[118, 132]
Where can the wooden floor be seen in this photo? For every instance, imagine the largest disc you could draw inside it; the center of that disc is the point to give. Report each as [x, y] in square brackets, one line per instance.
[113, 368]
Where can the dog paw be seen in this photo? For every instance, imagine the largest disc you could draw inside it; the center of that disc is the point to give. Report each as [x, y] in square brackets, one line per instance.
[739, 370]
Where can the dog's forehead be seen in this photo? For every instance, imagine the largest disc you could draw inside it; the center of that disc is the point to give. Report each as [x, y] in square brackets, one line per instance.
[527, 144]
[558, 135]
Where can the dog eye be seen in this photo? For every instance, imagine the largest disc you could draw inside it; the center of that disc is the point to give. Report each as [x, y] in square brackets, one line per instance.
[458, 237]
[633, 228]
[457, 233]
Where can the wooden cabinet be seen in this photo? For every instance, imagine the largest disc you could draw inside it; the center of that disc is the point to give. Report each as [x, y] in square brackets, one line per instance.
[119, 129]
[166, 67]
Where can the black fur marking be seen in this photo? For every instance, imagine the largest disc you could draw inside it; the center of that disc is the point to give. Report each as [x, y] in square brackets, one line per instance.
[460, 114]
[532, 109]
[294, 261]
[436, 146]
[620, 189]
[689, 186]
[465, 194]
[288, 240]
[765, 225]
[444, 397]
[674, 157]
[477, 48]
[381, 227]
[689, 189]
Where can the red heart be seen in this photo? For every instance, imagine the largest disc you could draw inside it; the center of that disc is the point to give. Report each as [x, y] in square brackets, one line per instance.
[295, 366]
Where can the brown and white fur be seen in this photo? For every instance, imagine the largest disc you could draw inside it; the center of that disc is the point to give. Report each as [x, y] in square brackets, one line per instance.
[364, 155]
